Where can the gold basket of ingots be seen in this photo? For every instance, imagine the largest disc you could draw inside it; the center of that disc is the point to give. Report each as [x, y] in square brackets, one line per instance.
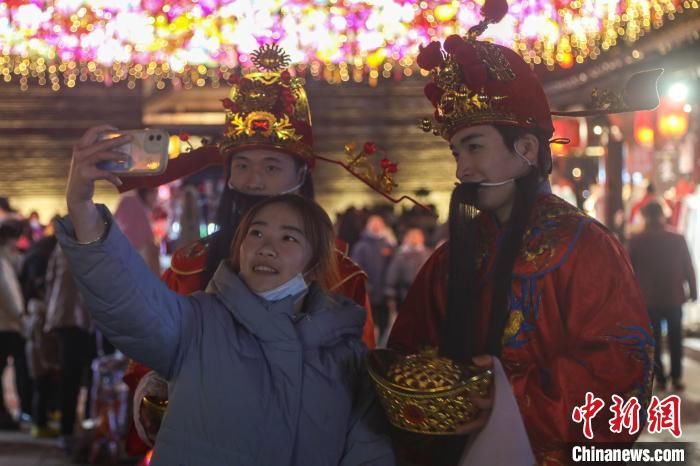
[426, 393]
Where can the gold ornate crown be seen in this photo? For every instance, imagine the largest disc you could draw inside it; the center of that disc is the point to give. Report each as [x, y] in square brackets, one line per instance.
[459, 105]
[270, 57]
[476, 82]
[425, 393]
[268, 108]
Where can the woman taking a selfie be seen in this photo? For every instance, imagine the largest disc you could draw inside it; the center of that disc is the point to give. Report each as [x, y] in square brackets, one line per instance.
[284, 379]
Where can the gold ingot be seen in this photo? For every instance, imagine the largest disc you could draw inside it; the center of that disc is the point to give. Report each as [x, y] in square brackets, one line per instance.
[425, 393]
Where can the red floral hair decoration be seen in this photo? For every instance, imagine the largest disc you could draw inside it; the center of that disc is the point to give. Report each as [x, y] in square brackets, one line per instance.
[359, 165]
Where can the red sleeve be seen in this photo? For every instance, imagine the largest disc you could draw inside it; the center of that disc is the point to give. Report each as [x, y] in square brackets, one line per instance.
[606, 348]
[183, 283]
[357, 290]
[134, 374]
[353, 284]
[418, 323]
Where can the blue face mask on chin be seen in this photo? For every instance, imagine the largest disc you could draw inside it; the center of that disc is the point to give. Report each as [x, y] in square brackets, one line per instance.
[291, 288]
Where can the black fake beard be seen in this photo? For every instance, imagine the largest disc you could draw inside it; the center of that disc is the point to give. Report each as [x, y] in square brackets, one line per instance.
[459, 326]
[243, 202]
[464, 193]
[458, 331]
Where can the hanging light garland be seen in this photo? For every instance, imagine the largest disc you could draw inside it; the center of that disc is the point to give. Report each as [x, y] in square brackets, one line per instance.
[192, 42]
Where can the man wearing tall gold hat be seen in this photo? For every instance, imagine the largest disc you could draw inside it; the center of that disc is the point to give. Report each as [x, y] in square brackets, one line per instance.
[527, 284]
[267, 149]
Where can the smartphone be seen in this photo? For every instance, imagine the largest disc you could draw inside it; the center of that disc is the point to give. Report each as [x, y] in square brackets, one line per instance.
[147, 152]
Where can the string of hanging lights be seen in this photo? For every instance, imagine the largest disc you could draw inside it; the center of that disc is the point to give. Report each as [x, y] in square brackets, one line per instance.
[194, 42]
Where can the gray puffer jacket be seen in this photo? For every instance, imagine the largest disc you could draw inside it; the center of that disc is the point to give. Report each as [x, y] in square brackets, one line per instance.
[251, 382]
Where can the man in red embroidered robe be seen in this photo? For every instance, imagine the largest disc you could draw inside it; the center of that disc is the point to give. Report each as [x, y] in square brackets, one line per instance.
[526, 280]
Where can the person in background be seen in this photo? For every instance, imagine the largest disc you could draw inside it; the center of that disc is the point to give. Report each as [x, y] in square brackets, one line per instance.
[349, 225]
[11, 319]
[561, 185]
[403, 268]
[372, 252]
[67, 318]
[42, 347]
[424, 218]
[635, 219]
[7, 212]
[133, 215]
[664, 268]
[34, 265]
[684, 187]
[190, 216]
[43, 351]
[35, 226]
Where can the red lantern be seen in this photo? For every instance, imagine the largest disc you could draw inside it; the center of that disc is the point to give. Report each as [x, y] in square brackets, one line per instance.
[566, 128]
[644, 128]
[672, 121]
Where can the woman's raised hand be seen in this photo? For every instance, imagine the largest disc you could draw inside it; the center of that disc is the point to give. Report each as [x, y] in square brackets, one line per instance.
[87, 153]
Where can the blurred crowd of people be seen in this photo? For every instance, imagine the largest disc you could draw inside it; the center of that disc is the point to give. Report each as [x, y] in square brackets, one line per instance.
[43, 326]
[391, 249]
[48, 336]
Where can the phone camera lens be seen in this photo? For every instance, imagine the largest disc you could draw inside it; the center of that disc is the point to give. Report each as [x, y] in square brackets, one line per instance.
[150, 137]
[159, 137]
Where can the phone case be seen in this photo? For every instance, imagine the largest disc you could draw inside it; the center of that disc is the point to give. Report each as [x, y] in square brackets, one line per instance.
[148, 153]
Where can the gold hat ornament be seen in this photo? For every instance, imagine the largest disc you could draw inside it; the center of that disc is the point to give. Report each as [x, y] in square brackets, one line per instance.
[639, 92]
[268, 108]
[425, 393]
[360, 162]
